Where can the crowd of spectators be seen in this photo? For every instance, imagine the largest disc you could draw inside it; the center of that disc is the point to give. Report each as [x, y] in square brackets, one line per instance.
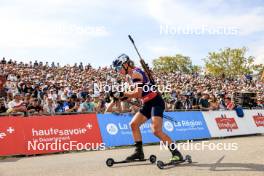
[44, 88]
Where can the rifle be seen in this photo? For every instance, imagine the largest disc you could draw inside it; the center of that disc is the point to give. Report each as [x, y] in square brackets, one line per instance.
[144, 65]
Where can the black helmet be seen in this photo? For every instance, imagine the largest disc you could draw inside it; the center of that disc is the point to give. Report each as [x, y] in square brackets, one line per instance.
[122, 59]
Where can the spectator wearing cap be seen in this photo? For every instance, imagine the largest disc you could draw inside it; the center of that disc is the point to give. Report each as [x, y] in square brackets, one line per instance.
[24, 77]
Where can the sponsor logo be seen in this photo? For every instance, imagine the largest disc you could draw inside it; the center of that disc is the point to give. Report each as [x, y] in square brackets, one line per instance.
[61, 132]
[259, 120]
[224, 122]
[2, 135]
[168, 126]
[9, 130]
[111, 129]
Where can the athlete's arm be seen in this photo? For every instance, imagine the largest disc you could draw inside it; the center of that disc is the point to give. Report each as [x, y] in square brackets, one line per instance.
[137, 93]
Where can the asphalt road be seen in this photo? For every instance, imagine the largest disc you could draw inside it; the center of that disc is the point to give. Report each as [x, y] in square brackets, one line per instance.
[248, 159]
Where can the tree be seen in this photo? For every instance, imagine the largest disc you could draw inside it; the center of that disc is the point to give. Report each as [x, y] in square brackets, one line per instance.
[229, 62]
[196, 69]
[173, 63]
[259, 68]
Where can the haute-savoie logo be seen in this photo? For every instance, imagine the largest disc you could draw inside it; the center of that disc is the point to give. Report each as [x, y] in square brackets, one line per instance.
[228, 123]
[6, 132]
[259, 120]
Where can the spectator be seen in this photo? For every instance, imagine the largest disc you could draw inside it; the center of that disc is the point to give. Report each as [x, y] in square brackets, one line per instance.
[70, 107]
[3, 61]
[179, 102]
[214, 105]
[3, 106]
[204, 102]
[16, 105]
[87, 105]
[196, 100]
[60, 82]
[229, 104]
[34, 106]
[49, 106]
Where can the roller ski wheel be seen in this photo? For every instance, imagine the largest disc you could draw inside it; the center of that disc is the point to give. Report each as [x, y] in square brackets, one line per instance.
[162, 165]
[110, 161]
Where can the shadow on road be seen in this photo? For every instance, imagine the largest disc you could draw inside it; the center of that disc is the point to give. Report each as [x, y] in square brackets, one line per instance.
[218, 166]
[9, 160]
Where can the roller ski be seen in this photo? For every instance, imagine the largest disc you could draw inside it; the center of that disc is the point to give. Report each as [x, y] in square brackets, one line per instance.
[110, 161]
[174, 161]
[137, 156]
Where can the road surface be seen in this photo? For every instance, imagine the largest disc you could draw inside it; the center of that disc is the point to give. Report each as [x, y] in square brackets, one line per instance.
[248, 159]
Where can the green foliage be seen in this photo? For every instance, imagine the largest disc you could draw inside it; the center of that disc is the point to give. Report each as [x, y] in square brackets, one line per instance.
[259, 68]
[173, 63]
[230, 62]
[196, 69]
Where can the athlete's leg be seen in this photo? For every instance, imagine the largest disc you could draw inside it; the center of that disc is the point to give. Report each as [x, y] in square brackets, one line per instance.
[157, 131]
[156, 127]
[135, 123]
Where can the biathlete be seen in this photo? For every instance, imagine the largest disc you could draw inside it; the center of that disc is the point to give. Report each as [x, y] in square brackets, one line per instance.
[153, 107]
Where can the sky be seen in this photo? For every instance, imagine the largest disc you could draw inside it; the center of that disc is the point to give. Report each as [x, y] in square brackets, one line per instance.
[89, 31]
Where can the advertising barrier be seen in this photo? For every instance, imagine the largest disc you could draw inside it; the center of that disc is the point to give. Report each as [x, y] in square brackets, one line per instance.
[257, 120]
[227, 123]
[11, 136]
[50, 134]
[41, 134]
[188, 125]
[60, 133]
[116, 131]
